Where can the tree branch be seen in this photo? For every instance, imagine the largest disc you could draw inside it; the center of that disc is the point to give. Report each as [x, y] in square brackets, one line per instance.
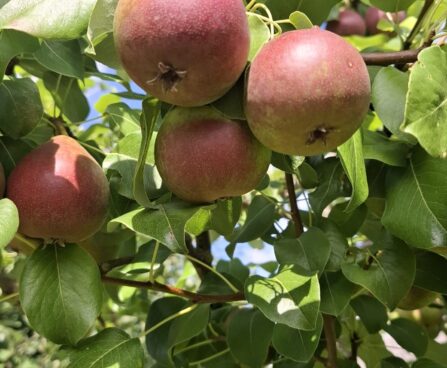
[196, 298]
[296, 217]
[329, 327]
[390, 58]
[329, 333]
[417, 26]
[201, 252]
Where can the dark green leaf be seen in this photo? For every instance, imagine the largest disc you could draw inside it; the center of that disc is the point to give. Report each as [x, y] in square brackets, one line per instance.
[332, 185]
[415, 202]
[336, 292]
[249, 336]
[13, 43]
[296, 344]
[351, 155]
[409, 335]
[162, 340]
[388, 273]
[260, 217]
[110, 347]
[310, 251]
[288, 298]
[68, 96]
[61, 292]
[431, 271]
[372, 313]
[226, 215]
[62, 57]
[151, 110]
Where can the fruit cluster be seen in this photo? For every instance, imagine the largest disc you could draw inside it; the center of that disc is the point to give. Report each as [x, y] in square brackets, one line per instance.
[351, 23]
[307, 92]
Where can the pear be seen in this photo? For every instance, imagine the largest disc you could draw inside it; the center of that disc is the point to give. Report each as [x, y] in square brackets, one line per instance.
[60, 191]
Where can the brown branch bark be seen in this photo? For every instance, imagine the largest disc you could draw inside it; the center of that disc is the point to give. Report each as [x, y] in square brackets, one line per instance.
[391, 58]
[107, 266]
[194, 297]
[331, 346]
[296, 217]
[329, 323]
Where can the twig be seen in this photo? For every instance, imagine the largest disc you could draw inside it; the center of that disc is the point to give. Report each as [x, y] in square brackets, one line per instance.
[296, 217]
[202, 252]
[355, 341]
[194, 297]
[416, 28]
[329, 333]
[390, 58]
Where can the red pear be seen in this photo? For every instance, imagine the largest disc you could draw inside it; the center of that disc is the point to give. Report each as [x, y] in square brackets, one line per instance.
[2, 181]
[60, 190]
[374, 15]
[186, 53]
[349, 23]
[203, 156]
[307, 92]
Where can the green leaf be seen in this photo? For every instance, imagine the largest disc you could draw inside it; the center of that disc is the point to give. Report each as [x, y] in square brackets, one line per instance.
[47, 18]
[260, 217]
[9, 221]
[20, 107]
[121, 116]
[378, 147]
[300, 20]
[151, 110]
[414, 211]
[316, 10]
[332, 184]
[336, 292]
[161, 341]
[61, 292]
[427, 363]
[338, 243]
[62, 57]
[286, 163]
[232, 103]
[351, 155]
[426, 113]
[430, 272]
[389, 96]
[165, 223]
[101, 21]
[288, 298]
[409, 335]
[259, 34]
[296, 344]
[235, 268]
[392, 5]
[13, 43]
[310, 252]
[393, 362]
[109, 348]
[249, 336]
[68, 96]
[226, 215]
[372, 313]
[389, 273]
[348, 223]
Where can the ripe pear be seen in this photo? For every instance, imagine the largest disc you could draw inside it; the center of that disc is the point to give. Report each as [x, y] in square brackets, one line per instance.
[2, 181]
[308, 91]
[417, 298]
[186, 53]
[203, 156]
[349, 23]
[60, 191]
